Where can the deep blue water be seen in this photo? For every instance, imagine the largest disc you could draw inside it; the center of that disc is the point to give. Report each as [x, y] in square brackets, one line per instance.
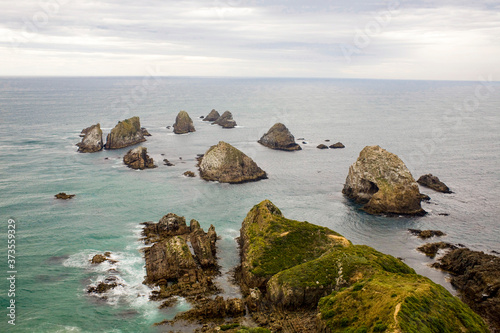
[423, 122]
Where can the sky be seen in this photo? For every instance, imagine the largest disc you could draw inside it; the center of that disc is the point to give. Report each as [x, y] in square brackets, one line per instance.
[395, 39]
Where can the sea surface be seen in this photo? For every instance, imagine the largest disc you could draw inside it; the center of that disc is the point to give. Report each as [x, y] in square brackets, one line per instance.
[449, 129]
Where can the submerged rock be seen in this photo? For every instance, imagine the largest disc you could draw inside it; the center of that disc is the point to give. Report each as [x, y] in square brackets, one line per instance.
[167, 162]
[92, 139]
[138, 158]
[183, 123]
[279, 137]
[424, 234]
[434, 183]
[477, 276]
[337, 145]
[64, 196]
[212, 116]
[226, 120]
[226, 164]
[383, 184]
[125, 133]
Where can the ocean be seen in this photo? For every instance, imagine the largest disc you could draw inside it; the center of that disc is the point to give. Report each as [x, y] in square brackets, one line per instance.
[449, 129]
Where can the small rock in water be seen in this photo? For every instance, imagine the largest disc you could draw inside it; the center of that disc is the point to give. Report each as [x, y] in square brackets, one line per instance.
[434, 183]
[426, 233]
[322, 146]
[167, 162]
[337, 145]
[327, 140]
[64, 196]
[189, 174]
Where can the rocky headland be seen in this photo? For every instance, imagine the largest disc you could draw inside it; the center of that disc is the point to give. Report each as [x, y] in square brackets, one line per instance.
[91, 139]
[212, 116]
[138, 159]
[279, 137]
[226, 120]
[381, 182]
[226, 164]
[125, 133]
[434, 183]
[183, 123]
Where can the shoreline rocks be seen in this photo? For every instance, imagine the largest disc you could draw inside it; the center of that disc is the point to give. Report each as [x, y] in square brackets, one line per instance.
[138, 159]
[382, 183]
[91, 139]
[212, 116]
[434, 183]
[226, 164]
[183, 123]
[125, 133]
[226, 120]
[279, 137]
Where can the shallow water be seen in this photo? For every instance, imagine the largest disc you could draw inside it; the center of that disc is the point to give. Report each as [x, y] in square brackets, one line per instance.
[41, 118]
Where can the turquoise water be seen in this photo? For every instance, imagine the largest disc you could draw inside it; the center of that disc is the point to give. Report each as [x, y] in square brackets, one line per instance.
[41, 118]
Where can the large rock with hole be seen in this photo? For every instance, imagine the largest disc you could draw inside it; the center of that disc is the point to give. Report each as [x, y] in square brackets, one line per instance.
[226, 120]
[125, 133]
[91, 139]
[381, 182]
[226, 164]
[138, 158]
[279, 137]
[183, 123]
[212, 116]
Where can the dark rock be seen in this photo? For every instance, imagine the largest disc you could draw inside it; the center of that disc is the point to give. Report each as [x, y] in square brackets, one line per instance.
[279, 137]
[183, 123]
[226, 120]
[337, 145]
[138, 158]
[477, 276]
[168, 127]
[383, 183]
[444, 214]
[434, 183]
[212, 116]
[431, 249]
[102, 287]
[424, 234]
[303, 142]
[98, 259]
[300, 139]
[327, 140]
[322, 146]
[226, 164]
[145, 132]
[167, 162]
[125, 133]
[189, 174]
[64, 196]
[201, 117]
[92, 139]
[425, 197]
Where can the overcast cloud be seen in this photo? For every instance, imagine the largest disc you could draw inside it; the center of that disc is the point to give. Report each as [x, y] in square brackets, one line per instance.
[448, 40]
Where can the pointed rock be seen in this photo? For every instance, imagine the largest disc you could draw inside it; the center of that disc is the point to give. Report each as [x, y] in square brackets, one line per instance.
[279, 137]
[125, 133]
[226, 120]
[183, 123]
[226, 164]
[138, 158]
[212, 116]
[92, 139]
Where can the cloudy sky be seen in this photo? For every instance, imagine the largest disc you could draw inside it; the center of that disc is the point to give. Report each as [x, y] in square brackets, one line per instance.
[413, 39]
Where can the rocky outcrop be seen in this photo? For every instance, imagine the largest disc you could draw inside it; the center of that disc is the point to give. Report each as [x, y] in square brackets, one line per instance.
[91, 139]
[102, 287]
[226, 120]
[279, 137]
[64, 196]
[189, 174]
[138, 158]
[171, 265]
[125, 133]
[226, 164]
[434, 183]
[306, 271]
[145, 132]
[431, 249]
[322, 146]
[424, 234]
[477, 276]
[383, 184]
[183, 123]
[337, 145]
[212, 116]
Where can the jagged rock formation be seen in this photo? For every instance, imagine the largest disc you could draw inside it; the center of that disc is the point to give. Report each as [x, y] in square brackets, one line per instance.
[226, 120]
[477, 276]
[226, 164]
[337, 145]
[125, 133]
[295, 269]
[183, 123]
[279, 137]
[91, 139]
[138, 158]
[170, 263]
[212, 116]
[383, 184]
[434, 183]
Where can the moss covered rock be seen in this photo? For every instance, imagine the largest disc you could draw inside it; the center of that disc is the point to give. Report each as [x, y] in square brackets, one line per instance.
[383, 184]
[226, 164]
[183, 123]
[91, 139]
[125, 133]
[279, 137]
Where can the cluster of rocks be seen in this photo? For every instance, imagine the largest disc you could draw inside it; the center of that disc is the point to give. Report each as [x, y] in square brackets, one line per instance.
[225, 121]
[110, 282]
[424, 234]
[337, 145]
